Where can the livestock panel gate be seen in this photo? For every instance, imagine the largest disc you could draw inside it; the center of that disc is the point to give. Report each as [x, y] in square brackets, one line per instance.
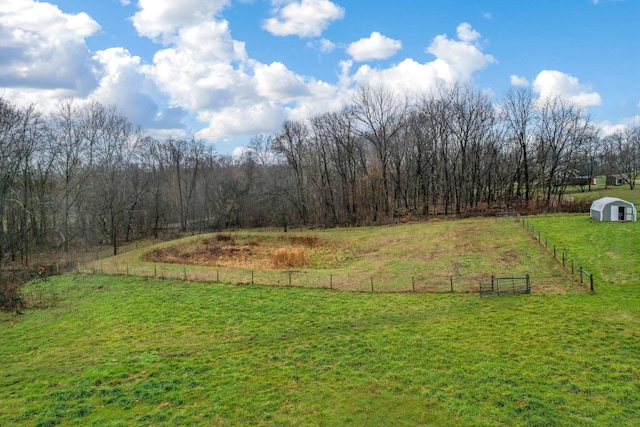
[506, 285]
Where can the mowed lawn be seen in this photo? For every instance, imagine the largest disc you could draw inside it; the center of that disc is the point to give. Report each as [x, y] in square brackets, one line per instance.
[145, 351]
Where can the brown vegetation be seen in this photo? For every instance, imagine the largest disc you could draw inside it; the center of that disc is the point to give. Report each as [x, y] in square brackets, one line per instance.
[227, 250]
[290, 257]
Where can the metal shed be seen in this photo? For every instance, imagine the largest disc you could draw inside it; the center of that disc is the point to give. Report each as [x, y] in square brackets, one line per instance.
[613, 209]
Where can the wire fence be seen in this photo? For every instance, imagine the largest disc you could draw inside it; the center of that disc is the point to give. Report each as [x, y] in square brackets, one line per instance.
[296, 278]
[562, 256]
[417, 281]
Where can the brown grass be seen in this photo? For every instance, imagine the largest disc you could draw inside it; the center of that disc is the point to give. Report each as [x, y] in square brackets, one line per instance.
[227, 250]
[306, 241]
[290, 257]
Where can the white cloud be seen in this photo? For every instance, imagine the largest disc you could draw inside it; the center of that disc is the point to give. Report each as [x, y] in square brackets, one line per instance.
[327, 46]
[556, 83]
[276, 82]
[162, 18]
[241, 120]
[456, 61]
[518, 80]
[607, 128]
[42, 47]
[124, 83]
[466, 33]
[376, 46]
[304, 18]
[201, 73]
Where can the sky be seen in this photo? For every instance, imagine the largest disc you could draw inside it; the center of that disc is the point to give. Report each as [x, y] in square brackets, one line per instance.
[227, 70]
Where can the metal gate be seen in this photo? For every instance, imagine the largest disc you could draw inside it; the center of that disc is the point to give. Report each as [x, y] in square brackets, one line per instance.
[507, 285]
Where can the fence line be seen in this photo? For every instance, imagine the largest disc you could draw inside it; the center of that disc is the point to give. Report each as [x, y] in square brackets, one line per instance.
[567, 263]
[295, 278]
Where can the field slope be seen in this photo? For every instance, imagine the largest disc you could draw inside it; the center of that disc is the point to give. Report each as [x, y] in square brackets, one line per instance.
[145, 351]
[433, 257]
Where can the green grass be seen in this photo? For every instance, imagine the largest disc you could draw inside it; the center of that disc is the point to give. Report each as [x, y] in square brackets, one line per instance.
[145, 351]
[621, 192]
[609, 250]
[429, 257]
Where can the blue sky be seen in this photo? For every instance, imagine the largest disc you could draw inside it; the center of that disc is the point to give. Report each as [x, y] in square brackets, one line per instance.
[230, 69]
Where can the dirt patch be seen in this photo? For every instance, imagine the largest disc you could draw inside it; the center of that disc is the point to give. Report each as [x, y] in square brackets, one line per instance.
[227, 250]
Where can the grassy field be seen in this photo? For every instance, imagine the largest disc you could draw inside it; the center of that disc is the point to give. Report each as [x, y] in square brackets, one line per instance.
[119, 351]
[621, 192]
[435, 257]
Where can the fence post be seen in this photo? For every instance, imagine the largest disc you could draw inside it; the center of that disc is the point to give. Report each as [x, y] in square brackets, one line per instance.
[155, 270]
[580, 269]
[184, 270]
[252, 277]
[554, 251]
[572, 269]
[372, 284]
[591, 282]
[451, 283]
[289, 278]
[564, 259]
[528, 284]
[217, 275]
[413, 283]
[331, 281]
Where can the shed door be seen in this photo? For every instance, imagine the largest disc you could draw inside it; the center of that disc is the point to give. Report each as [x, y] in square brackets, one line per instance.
[614, 213]
[620, 213]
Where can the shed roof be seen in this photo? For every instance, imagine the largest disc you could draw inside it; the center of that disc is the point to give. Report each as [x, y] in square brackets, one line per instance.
[601, 203]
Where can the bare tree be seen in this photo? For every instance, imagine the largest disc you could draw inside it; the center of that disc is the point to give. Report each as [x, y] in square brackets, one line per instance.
[111, 194]
[519, 116]
[382, 115]
[562, 130]
[622, 153]
[292, 143]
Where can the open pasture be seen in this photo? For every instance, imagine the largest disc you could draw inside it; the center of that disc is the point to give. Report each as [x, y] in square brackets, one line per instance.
[438, 256]
[118, 351]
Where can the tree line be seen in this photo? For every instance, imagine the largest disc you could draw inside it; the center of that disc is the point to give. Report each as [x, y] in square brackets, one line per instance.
[84, 175]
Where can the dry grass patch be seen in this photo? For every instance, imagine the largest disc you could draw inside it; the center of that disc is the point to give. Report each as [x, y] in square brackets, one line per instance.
[246, 251]
[290, 257]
